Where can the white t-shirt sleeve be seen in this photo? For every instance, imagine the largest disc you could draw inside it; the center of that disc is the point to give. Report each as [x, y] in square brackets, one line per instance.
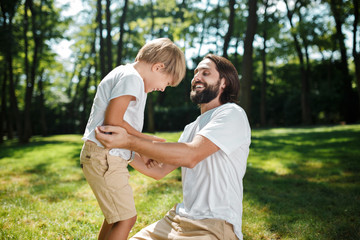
[127, 85]
[228, 129]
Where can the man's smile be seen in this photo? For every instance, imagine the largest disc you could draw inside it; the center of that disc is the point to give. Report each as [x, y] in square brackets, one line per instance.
[198, 86]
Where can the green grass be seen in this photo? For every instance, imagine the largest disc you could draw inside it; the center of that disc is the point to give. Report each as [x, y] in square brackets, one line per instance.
[301, 183]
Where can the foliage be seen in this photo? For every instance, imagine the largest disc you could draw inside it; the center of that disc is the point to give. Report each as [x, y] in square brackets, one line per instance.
[198, 27]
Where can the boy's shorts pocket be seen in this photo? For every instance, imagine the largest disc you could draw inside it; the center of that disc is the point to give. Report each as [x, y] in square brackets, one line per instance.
[94, 157]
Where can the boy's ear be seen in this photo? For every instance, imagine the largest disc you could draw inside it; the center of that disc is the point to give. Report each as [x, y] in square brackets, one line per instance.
[158, 66]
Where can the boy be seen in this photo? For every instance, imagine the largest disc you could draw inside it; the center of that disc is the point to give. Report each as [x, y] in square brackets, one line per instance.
[120, 100]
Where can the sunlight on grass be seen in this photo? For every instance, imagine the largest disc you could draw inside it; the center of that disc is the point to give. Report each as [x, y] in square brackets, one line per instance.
[43, 191]
[300, 183]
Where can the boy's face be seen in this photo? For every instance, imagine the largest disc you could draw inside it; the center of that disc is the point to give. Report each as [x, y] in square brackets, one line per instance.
[158, 80]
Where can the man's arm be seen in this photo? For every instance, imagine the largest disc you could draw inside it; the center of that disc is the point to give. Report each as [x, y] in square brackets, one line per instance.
[177, 154]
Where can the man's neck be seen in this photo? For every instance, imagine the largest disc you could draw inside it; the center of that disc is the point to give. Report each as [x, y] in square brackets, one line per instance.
[210, 105]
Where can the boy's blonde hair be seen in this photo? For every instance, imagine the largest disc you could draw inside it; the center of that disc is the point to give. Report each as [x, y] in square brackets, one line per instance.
[163, 50]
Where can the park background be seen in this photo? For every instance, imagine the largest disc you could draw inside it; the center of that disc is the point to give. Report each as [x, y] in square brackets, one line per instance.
[299, 69]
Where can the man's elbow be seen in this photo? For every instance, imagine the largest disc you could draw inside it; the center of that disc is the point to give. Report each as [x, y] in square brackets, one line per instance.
[192, 162]
[157, 178]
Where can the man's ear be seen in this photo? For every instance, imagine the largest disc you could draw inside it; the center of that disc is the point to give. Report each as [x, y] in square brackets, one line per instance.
[158, 67]
[223, 84]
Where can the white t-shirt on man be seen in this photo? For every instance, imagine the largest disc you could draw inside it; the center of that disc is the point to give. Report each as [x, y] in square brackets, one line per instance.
[121, 81]
[214, 187]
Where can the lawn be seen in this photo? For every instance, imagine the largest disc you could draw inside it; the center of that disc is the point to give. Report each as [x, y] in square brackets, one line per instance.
[301, 183]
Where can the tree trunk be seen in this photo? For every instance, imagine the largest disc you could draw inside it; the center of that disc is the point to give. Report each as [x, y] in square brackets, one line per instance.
[30, 82]
[247, 67]
[108, 37]
[356, 54]
[102, 53]
[264, 70]
[348, 112]
[14, 114]
[230, 28]
[83, 116]
[305, 106]
[218, 27]
[26, 49]
[85, 103]
[75, 103]
[236, 54]
[203, 32]
[122, 31]
[3, 107]
[44, 129]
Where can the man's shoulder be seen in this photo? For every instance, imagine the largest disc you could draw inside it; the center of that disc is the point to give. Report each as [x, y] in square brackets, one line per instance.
[229, 108]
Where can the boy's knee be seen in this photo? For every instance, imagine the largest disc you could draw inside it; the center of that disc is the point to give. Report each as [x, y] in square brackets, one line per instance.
[133, 220]
[128, 222]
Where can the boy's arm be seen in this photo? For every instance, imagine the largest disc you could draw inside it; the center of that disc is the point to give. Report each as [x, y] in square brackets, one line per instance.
[115, 112]
[157, 172]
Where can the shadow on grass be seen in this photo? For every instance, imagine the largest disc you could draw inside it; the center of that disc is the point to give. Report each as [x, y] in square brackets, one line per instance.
[320, 211]
[320, 202]
[13, 149]
[53, 177]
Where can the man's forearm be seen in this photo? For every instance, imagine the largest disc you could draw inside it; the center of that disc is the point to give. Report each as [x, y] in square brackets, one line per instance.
[157, 172]
[178, 154]
[171, 153]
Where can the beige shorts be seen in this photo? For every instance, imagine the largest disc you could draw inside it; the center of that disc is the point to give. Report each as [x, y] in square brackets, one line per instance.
[173, 226]
[108, 177]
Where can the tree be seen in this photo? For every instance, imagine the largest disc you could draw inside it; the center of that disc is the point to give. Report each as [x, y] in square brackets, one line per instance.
[347, 109]
[108, 37]
[102, 44]
[356, 53]
[44, 128]
[304, 67]
[122, 31]
[44, 22]
[37, 35]
[230, 27]
[8, 9]
[267, 30]
[247, 65]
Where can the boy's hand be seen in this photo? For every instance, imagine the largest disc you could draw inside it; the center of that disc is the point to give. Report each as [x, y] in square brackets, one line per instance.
[150, 163]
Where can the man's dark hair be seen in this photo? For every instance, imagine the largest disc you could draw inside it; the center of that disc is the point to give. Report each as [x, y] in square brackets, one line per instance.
[227, 70]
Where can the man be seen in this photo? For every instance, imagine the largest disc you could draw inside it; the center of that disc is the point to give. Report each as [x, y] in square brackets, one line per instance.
[212, 152]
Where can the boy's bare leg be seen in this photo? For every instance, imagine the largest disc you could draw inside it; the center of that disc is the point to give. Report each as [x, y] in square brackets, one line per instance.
[120, 230]
[105, 230]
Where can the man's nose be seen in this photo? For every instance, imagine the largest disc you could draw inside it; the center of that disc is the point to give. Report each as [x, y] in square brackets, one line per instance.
[196, 77]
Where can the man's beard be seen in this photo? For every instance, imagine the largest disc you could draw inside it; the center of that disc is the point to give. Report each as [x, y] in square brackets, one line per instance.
[205, 96]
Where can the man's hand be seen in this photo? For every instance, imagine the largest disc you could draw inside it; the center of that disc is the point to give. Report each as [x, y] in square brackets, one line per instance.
[112, 136]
